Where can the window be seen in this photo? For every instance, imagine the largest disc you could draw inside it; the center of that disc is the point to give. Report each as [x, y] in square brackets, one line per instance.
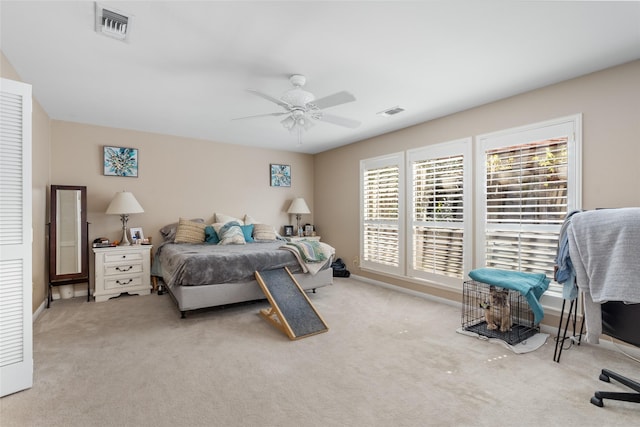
[529, 181]
[440, 225]
[526, 180]
[381, 205]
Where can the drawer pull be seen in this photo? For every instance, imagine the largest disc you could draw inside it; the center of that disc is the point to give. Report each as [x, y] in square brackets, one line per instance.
[124, 269]
[124, 284]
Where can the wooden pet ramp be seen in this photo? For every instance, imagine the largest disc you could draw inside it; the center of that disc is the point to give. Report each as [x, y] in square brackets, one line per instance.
[291, 310]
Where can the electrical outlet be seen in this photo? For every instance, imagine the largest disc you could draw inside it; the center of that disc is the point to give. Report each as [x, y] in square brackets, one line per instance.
[356, 260]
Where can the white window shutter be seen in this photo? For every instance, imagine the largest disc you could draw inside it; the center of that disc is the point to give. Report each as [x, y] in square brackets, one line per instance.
[529, 186]
[439, 180]
[381, 204]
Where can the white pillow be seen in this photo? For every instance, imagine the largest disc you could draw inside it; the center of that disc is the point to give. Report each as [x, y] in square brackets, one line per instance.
[220, 217]
[248, 219]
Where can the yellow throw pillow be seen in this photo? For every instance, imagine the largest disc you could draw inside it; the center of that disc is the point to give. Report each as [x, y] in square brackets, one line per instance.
[190, 231]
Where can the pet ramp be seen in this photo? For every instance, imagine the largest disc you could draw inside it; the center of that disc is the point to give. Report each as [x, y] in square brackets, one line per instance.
[291, 310]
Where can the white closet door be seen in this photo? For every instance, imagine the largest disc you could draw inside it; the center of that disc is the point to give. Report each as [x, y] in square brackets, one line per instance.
[16, 342]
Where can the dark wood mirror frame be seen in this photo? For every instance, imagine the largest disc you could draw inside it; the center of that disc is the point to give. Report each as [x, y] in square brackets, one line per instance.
[77, 217]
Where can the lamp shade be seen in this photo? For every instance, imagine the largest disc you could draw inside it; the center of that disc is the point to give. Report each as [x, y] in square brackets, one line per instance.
[124, 203]
[298, 206]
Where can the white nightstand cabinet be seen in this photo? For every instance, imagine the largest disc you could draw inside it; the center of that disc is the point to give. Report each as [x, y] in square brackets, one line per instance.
[122, 269]
[298, 238]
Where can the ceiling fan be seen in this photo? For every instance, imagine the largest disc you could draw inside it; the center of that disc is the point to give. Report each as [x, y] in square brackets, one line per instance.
[302, 108]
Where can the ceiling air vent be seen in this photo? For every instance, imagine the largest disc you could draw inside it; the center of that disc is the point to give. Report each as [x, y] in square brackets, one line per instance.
[113, 23]
[391, 111]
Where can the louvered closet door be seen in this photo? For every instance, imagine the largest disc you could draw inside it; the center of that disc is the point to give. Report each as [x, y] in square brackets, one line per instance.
[16, 347]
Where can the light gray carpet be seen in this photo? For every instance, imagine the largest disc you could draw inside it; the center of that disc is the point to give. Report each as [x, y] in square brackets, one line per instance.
[388, 359]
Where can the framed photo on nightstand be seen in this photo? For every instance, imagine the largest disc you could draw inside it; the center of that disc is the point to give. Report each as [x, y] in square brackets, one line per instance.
[137, 236]
[288, 230]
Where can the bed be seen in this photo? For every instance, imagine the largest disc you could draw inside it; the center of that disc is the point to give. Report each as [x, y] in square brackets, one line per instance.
[202, 274]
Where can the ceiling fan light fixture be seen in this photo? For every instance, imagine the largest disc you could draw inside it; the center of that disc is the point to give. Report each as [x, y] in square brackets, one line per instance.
[288, 123]
[305, 124]
[297, 97]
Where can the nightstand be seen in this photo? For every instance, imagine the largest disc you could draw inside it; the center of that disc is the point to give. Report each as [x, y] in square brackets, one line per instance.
[122, 269]
[298, 238]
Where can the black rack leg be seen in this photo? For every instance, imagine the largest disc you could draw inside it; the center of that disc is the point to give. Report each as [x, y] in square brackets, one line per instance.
[556, 356]
[560, 342]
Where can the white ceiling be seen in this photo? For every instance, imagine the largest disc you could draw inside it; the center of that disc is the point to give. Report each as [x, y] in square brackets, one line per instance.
[186, 66]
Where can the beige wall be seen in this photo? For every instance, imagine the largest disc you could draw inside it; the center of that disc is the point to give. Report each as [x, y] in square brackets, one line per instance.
[40, 180]
[609, 101]
[178, 177]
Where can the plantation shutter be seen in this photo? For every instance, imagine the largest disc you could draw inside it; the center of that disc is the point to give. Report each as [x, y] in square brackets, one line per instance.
[439, 224]
[381, 201]
[526, 203]
[16, 350]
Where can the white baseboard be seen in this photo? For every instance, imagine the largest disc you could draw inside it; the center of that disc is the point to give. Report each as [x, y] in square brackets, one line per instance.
[39, 310]
[407, 291]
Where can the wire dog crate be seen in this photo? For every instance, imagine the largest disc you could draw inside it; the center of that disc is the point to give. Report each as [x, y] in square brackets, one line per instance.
[483, 315]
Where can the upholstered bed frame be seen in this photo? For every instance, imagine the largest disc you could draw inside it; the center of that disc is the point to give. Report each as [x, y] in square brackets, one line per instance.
[190, 298]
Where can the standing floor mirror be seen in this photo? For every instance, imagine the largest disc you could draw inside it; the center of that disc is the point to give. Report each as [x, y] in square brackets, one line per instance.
[68, 238]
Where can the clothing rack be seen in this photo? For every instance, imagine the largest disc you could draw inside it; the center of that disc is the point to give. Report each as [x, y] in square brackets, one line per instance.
[596, 250]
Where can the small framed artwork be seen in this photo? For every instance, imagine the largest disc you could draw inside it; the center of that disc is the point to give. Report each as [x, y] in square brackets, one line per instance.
[280, 175]
[137, 236]
[120, 161]
[288, 230]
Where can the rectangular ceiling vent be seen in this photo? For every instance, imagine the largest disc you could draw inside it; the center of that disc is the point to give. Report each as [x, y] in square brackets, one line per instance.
[391, 111]
[113, 23]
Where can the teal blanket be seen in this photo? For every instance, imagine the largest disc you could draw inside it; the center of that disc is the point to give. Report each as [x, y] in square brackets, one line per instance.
[530, 285]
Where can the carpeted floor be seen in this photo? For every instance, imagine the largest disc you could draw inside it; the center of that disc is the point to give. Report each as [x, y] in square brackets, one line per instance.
[388, 359]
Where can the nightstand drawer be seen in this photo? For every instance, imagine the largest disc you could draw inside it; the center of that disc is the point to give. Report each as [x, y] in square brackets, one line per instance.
[299, 238]
[110, 270]
[130, 256]
[123, 282]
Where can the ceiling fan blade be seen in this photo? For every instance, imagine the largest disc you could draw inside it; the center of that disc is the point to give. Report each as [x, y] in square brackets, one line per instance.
[262, 115]
[333, 100]
[337, 120]
[270, 98]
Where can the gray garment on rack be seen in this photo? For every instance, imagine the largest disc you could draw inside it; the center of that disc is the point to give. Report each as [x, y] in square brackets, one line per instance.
[604, 246]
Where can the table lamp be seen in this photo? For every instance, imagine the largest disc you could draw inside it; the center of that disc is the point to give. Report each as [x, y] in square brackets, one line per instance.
[298, 207]
[123, 204]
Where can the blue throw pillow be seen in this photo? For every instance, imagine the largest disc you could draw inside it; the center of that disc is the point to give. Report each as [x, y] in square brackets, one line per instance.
[210, 235]
[247, 230]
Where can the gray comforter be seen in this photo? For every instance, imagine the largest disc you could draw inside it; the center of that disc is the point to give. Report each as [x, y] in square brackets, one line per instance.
[203, 264]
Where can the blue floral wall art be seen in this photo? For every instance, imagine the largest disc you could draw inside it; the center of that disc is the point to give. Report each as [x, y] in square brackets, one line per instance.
[120, 161]
[280, 175]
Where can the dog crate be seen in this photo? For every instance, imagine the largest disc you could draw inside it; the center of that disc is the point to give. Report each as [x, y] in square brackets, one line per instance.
[476, 304]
